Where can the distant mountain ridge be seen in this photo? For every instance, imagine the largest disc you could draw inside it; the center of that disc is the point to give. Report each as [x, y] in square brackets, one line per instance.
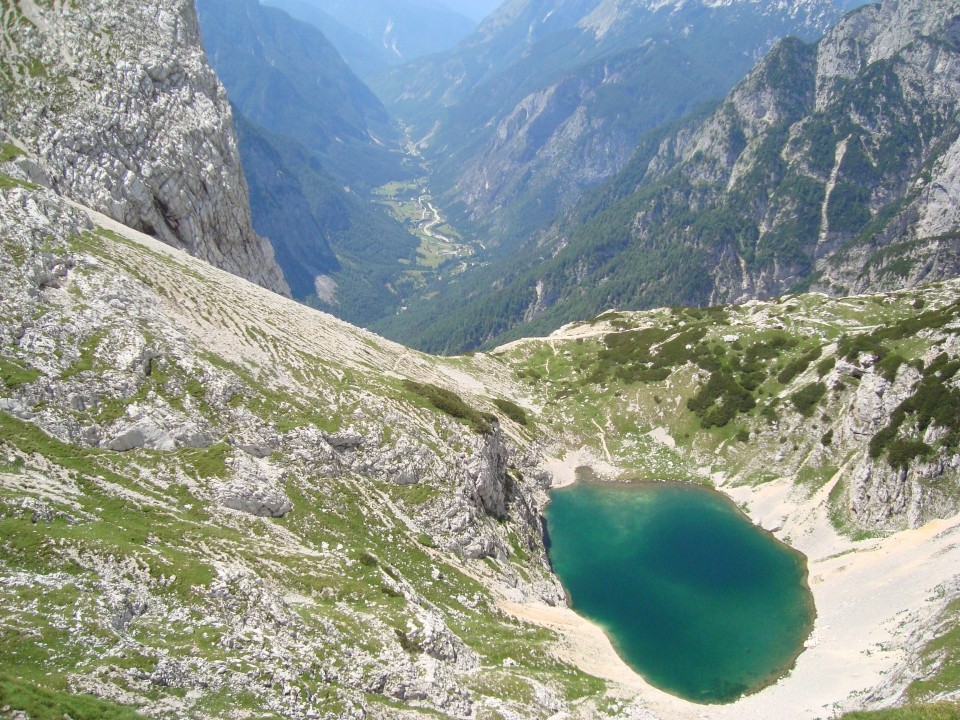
[831, 166]
[546, 99]
[392, 31]
[284, 75]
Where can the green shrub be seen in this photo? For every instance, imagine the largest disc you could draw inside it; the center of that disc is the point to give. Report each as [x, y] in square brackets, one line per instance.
[806, 398]
[769, 412]
[889, 365]
[826, 365]
[449, 402]
[512, 411]
[406, 642]
[769, 349]
[851, 347]
[389, 591]
[901, 452]
[827, 439]
[799, 365]
[720, 399]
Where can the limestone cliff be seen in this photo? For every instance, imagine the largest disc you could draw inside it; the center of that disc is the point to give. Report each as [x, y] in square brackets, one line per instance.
[115, 106]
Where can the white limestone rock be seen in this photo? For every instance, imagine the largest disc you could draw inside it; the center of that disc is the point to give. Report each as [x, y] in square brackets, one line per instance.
[128, 118]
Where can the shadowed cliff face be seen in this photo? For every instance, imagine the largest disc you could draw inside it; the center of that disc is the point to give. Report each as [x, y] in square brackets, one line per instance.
[117, 108]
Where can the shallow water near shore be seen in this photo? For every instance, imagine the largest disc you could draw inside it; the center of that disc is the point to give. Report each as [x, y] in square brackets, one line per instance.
[696, 598]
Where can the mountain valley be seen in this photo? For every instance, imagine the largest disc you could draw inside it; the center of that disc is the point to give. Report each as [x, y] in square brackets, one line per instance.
[217, 501]
[800, 179]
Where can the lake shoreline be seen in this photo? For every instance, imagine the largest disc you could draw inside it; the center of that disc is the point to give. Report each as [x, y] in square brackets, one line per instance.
[693, 595]
[862, 592]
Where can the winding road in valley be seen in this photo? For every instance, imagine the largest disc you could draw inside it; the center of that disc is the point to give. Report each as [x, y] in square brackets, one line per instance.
[430, 219]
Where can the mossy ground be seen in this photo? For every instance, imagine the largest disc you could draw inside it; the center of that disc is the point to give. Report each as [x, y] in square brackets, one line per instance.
[935, 711]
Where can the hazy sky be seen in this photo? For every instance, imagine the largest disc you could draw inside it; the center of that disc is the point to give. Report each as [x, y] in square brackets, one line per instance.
[476, 10]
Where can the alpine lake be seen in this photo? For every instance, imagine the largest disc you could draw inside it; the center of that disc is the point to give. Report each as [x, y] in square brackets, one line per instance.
[695, 598]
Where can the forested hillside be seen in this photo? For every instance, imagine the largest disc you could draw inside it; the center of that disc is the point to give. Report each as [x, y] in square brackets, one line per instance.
[830, 167]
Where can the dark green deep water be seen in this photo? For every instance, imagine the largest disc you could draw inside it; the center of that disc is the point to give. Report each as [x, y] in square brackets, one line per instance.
[696, 598]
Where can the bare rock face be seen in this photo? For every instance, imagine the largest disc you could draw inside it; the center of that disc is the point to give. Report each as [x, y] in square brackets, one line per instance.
[883, 496]
[116, 107]
[488, 472]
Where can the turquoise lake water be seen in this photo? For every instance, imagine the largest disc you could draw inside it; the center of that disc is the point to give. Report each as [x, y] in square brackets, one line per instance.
[696, 598]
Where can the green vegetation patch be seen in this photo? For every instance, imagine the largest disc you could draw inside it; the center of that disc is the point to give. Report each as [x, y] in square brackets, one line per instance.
[9, 151]
[88, 349]
[935, 711]
[45, 704]
[512, 411]
[14, 373]
[8, 183]
[798, 365]
[208, 462]
[449, 402]
[805, 399]
[942, 653]
[720, 399]
[935, 402]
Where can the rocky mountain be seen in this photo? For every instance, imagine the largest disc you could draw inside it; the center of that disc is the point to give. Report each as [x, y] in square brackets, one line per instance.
[371, 36]
[476, 10]
[831, 166]
[364, 58]
[214, 500]
[117, 108]
[217, 502]
[548, 98]
[401, 30]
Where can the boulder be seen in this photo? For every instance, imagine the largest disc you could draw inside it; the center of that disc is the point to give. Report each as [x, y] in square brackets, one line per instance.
[142, 435]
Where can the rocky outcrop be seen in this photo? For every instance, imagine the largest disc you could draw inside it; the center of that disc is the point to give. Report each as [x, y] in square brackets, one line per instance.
[115, 106]
[881, 495]
[488, 475]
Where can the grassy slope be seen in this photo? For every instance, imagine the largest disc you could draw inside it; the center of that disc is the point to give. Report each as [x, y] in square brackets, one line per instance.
[150, 517]
[934, 711]
[632, 372]
[346, 565]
